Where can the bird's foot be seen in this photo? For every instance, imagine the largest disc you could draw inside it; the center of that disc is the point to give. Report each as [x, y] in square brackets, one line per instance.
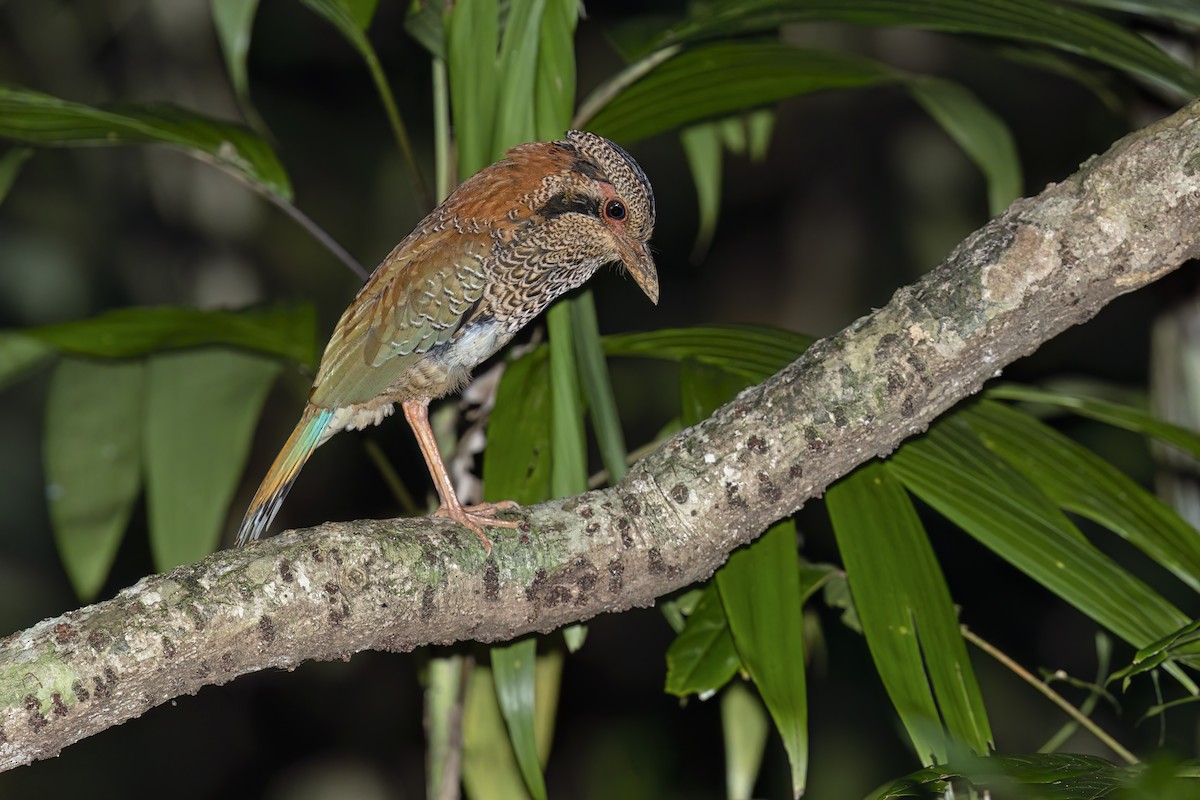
[477, 517]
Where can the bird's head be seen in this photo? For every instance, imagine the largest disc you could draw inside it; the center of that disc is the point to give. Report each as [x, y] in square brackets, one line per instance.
[590, 204]
[625, 201]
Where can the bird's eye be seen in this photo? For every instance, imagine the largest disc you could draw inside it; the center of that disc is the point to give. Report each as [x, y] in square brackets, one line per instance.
[615, 210]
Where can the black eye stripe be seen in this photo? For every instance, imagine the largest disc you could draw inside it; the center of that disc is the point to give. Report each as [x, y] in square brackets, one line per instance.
[570, 204]
[615, 210]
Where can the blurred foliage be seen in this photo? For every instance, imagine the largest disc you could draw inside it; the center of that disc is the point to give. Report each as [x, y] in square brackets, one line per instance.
[118, 270]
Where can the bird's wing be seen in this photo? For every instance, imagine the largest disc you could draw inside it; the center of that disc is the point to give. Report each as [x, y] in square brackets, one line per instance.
[416, 299]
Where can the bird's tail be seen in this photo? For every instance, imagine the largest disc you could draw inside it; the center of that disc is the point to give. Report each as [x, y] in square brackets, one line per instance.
[269, 497]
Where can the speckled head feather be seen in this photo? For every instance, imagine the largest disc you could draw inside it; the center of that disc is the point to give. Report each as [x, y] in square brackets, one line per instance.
[619, 168]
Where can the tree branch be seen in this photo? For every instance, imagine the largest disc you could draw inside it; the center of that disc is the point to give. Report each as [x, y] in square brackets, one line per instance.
[1124, 220]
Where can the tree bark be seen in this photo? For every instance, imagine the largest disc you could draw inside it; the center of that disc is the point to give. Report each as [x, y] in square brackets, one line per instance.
[1049, 262]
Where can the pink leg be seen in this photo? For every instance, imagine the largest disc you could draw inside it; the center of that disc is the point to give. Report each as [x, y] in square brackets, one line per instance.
[471, 517]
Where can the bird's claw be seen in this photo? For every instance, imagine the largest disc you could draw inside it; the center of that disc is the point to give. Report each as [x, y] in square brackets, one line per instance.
[475, 518]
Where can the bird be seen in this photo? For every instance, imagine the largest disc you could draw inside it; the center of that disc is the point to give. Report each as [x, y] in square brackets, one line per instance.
[482, 265]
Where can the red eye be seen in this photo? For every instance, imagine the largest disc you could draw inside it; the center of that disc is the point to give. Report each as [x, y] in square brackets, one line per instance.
[615, 210]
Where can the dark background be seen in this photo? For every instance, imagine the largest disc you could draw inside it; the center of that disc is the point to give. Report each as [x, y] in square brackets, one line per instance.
[860, 193]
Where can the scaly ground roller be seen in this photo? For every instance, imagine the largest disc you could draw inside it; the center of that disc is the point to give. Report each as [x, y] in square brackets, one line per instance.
[483, 264]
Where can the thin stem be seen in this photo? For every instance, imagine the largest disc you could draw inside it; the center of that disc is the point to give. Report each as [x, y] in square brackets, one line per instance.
[398, 129]
[316, 231]
[1051, 695]
[443, 169]
[622, 80]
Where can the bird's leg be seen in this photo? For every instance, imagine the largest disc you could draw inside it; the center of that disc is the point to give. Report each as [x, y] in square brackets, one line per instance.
[472, 517]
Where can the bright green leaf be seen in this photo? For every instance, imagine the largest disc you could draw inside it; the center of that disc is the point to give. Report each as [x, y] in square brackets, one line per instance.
[597, 387]
[753, 352]
[1083, 483]
[744, 724]
[906, 613]
[473, 37]
[568, 445]
[234, 22]
[1122, 416]
[287, 332]
[554, 86]
[41, 119]
[981, 134]
[201, 409]
[516, 464]
[702, 658]
[760, 592]
[715, 80]
[515, 119]
[574, 636]
[514, 673]
[1001, 508]
[702, 145]
[93, 460]
[1033, 21]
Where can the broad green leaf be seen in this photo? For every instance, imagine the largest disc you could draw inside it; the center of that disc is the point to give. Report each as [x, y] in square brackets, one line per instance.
[515, 119]
[715, 80]
[1083, 483]
[1010, 515]
[514, 674]
[597, 387]
[516, 464]
[93, 461]
[744, 723]
[759, 127]
[753, 352]
[287, 332]
[489, 767]
[1033, 21]
[760, 592]
[200, 410]
[473, 38]
[554, 86]
[20, 354]
[568, 445]
[234, 22]
[1122, 416]
[10, 165]
[702, 145]
[702, 658]
[981, 134]
[41, 119]
[906, 613]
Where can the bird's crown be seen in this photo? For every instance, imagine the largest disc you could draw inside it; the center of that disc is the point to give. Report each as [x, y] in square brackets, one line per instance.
[618, 168]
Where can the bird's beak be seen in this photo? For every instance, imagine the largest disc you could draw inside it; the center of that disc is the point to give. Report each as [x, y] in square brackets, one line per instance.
[641, 266]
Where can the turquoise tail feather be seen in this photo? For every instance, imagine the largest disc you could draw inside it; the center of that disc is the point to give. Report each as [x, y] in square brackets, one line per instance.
[307, 434]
